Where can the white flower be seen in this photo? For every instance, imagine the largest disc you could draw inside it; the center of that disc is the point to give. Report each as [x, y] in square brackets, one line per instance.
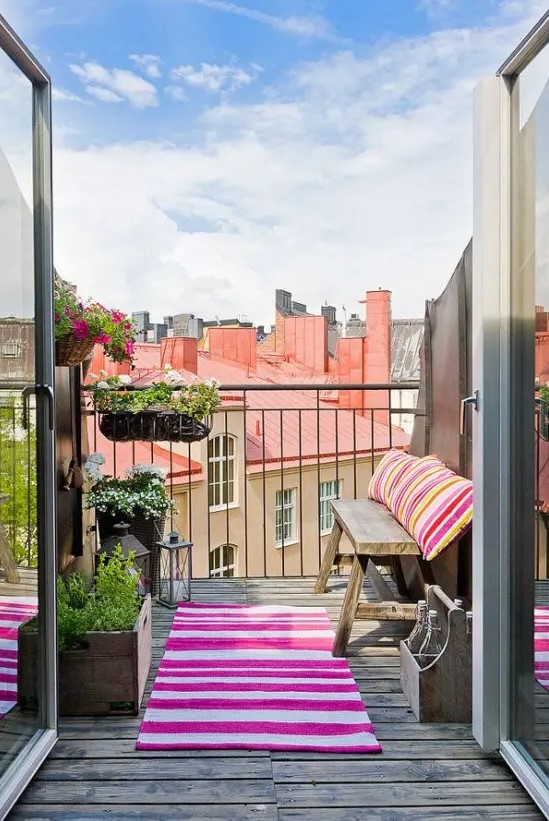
[103, 373]
[124, 379]
[167, 366]
[173, 378]
[96, 458]
[92, 375]
[103, 385]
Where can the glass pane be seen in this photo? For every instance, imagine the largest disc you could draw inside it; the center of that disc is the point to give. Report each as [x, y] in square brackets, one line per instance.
[529, 656]
[18, 466]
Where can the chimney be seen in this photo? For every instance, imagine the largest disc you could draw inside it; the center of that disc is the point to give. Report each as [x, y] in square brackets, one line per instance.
[180, 352]
[235, 344]
[377, 351]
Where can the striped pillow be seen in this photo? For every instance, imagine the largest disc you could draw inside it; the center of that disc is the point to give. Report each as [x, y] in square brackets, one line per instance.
[388, 474]
[399, 502]
[437, 508]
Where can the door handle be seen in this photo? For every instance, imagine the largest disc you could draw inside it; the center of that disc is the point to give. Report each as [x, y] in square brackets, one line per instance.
[469, 400]
[39, 390]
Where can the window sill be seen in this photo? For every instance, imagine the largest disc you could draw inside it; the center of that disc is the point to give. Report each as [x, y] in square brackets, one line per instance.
[286, 543]
[221, 508]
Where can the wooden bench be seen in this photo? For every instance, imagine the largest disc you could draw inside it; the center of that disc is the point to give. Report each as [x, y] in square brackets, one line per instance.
[374, 535]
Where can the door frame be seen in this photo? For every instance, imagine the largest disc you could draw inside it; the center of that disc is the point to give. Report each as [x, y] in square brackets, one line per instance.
[27, 762]
[502, 321]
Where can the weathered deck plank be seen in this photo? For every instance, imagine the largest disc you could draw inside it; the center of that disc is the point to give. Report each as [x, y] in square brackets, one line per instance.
[427, 771]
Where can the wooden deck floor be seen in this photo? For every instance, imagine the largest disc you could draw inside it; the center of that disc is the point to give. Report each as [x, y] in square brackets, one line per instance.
[426, 771]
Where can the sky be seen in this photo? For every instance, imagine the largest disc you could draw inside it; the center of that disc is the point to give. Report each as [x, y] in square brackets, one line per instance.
[207, 152]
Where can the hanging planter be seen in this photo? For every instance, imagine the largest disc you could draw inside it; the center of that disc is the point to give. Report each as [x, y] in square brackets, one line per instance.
[167, 411]
[70, 352]
[79, 326]
[152, 426]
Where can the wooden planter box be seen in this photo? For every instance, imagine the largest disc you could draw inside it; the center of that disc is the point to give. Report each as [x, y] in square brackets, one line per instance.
[442, 691]
[107, 677]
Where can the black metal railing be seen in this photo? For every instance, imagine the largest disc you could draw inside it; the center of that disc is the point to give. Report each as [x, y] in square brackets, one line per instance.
[254, 496]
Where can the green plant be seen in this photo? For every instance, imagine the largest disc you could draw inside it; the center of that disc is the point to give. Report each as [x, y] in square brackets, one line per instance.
[112, 604]
[197, 400]
[75, 320]
[18, 480]
[142, 491]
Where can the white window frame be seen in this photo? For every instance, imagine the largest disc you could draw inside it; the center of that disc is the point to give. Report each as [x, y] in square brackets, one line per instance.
[328, 491]
[286, 503]
[217, 473]
[225, 564]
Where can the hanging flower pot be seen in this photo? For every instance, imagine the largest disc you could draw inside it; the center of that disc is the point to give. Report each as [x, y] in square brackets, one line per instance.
[79, 326]
[70, 352]
[164, 412]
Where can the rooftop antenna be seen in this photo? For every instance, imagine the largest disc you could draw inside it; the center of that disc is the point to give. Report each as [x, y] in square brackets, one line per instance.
[344, 309]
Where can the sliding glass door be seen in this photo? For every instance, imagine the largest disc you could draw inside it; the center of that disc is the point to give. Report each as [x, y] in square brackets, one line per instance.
[28, 705]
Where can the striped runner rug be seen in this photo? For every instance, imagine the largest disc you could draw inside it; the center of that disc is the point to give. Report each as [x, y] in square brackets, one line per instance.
[254, 678]
[13, 612]
[541, 645]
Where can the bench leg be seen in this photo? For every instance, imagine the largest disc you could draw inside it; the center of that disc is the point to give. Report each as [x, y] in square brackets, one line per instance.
[329, 558]
[349, 608]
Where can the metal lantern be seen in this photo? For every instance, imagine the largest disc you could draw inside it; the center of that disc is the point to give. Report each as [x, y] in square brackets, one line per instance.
[128, 543]
[175, 570]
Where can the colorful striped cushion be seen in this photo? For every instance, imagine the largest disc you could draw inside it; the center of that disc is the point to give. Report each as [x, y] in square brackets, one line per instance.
[388, 474]
[399, 502]
[435, 507]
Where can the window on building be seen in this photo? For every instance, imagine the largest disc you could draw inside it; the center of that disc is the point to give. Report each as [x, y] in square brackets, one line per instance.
[328, 491]
[10, 350]
[286, 516]
[222, 561]
[221, 457]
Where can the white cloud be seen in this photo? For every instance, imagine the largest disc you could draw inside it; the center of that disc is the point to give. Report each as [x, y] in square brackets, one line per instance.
[108, 84]
[105, 95]
[175, 92]
[308, 27]
[211, 77]
[149, 64]
[355, 172]
[65, 96]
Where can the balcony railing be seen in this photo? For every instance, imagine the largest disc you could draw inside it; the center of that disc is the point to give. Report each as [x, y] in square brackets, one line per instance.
[18, 478]
[254, 498]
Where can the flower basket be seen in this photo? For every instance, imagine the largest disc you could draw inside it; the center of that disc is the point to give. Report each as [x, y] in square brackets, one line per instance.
[70, 352]
[153, 426]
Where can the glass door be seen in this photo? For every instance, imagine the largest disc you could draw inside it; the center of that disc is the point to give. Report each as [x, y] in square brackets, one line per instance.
[28, 711]
[511, 464]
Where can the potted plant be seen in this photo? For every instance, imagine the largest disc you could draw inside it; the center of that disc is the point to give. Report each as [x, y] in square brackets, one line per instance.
[141, 500]
[104, 642]
[79, 326]
[167, 411]
[544, 412]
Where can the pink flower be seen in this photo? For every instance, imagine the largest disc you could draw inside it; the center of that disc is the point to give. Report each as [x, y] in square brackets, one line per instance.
[102, 339]
[80, 329]
[57, 317]
[118, 317]
[127, 326]
[130, 347]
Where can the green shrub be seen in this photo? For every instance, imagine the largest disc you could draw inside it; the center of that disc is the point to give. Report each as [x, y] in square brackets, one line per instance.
[112, 604]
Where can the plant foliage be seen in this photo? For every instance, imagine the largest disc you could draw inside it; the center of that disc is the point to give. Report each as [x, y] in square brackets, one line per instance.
[197, 400]
[90, 321]
[112, 604]
[142, 491]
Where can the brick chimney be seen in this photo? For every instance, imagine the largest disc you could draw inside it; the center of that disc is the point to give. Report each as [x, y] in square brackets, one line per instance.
[235, 344]
[377, 351]
[181, 352]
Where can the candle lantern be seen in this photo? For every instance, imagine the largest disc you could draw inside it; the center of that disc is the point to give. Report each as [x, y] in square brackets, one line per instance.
[129, 543]
[175, 570]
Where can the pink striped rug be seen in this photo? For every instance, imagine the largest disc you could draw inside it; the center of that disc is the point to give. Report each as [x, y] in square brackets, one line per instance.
[254, 678]
[13, 612]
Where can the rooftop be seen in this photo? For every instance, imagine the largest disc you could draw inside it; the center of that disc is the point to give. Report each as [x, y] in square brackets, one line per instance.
[426, 771]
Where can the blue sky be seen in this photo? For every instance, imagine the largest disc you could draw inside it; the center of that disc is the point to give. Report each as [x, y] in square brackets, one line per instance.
[209, 151]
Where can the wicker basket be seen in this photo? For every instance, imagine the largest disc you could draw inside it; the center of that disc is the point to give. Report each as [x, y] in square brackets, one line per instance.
[72, 352]
[152, 426]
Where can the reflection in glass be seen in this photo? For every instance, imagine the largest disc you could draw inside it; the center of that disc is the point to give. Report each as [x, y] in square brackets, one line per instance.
[18, 467]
